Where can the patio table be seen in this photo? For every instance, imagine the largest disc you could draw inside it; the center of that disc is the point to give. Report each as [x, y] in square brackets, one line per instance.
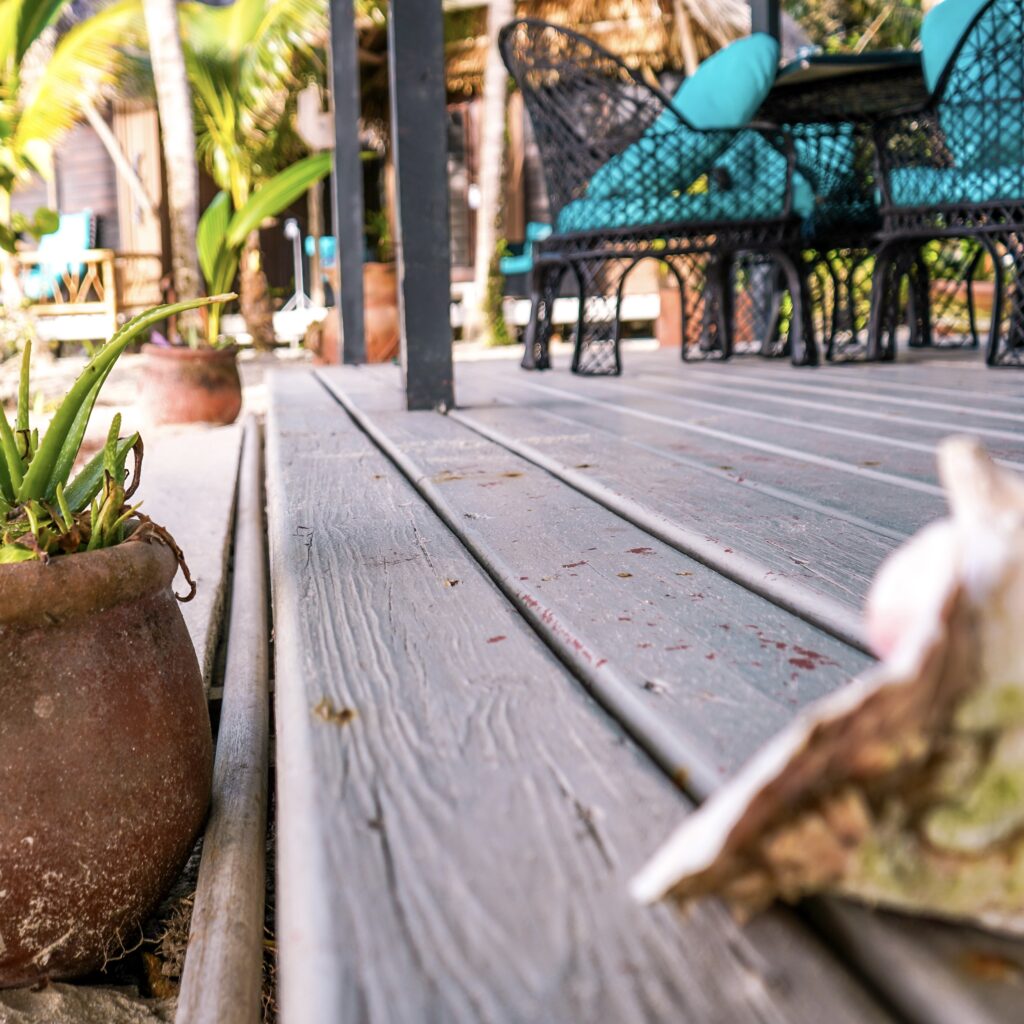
[515, 643]
[829, 104]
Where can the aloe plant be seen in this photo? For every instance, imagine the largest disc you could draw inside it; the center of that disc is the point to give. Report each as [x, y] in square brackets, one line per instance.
[43, 512]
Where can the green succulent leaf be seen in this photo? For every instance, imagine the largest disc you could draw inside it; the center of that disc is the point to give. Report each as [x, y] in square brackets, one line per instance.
[80, 493]
[23, 403]
[13, 471]
[10, 553]
[41, 479]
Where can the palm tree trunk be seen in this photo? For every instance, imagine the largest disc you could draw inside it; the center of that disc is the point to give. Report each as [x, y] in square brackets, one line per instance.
[254, 295]
[492, 150]
[174, 103]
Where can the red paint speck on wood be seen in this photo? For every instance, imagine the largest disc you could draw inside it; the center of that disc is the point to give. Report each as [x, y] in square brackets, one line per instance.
[496, 639]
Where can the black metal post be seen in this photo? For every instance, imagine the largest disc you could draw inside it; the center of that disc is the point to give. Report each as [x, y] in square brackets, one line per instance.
[766, 16]
[347, 181]
[419, 135]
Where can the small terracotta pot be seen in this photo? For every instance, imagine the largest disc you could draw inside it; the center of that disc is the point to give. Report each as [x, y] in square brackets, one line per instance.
[185, 385]
[105, 755]
[380, 318]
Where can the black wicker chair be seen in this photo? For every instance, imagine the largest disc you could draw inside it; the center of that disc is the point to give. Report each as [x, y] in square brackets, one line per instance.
[612, 145]
[954, 169]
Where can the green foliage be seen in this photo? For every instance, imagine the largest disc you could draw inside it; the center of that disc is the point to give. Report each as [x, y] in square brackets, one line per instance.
[42, 514]
[497, 328]
[378, 235]
[842, 26]
[223, 230]
[43, 222]
[245, 63]
[88, 59]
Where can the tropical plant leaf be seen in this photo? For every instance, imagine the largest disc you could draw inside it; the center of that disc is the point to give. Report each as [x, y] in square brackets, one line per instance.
[277, 195]
[40, 480]
[35, 17]
[91, 57]
[210, 238]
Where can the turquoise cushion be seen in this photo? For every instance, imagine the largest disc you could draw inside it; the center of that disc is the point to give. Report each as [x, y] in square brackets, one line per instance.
[980, 108]
[724, 92]
[753, 166]
[729, 87]
[636, 211]
[932, 186]
[941, 32]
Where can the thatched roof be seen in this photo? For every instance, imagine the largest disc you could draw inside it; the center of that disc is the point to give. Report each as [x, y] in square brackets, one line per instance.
[645, 33]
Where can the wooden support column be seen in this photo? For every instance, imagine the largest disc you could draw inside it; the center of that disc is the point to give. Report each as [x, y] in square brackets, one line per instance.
[419, 133]
[766, 16]
[347, 180]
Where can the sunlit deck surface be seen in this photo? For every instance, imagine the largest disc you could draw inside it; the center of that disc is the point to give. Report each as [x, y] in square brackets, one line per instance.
[515, 643]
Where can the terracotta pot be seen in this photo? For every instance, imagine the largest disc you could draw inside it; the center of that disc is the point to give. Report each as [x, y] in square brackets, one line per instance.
[105, 755]
[380, 318]
[184, 385]
[668, 328]
[380, 312]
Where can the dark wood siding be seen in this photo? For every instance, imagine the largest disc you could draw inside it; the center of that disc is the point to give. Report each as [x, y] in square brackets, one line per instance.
[86, 180]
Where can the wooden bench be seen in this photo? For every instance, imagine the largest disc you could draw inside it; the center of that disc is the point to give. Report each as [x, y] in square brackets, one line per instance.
[514, 643]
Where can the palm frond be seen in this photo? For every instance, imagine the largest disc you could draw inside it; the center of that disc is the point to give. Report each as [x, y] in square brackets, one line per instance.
[279, 55]
[89, 59]
[36, 17]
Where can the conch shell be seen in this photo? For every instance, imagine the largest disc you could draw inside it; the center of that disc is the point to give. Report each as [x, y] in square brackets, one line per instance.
[904, 789]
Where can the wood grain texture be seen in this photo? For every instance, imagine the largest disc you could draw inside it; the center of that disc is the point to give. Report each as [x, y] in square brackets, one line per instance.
[828, 554]
[222, 978]
[719, 666]
[457, 817]
[929, 972]
[194, 497]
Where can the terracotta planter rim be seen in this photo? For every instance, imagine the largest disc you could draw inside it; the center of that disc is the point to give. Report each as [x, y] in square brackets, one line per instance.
[71, 586]
[225, 354]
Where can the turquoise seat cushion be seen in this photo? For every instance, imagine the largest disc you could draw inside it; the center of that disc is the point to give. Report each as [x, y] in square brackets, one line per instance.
[935, 186]
[980, 104]
[713, 206]
[56, 252]
[724, 92]
[755, 167]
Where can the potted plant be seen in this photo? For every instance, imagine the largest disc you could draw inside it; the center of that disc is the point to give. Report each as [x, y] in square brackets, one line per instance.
[197, 381]
[105, 744]
[381, 327]
[380, 293]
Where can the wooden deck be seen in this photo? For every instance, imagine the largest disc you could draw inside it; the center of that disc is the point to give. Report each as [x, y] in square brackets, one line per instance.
[515, 643]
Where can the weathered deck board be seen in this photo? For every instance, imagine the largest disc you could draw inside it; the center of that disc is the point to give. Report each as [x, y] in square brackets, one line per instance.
[457, 817]
[845, 418]
[222, 978]
[720, 665]
[929, 972]
[830, 552]
[195, 499]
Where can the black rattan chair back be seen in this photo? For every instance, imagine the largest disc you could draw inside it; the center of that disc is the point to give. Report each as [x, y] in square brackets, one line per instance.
[980, 97]
[585, 104]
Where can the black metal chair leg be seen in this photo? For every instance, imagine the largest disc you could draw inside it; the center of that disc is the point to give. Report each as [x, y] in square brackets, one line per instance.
[803, 346]
[885, 313]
